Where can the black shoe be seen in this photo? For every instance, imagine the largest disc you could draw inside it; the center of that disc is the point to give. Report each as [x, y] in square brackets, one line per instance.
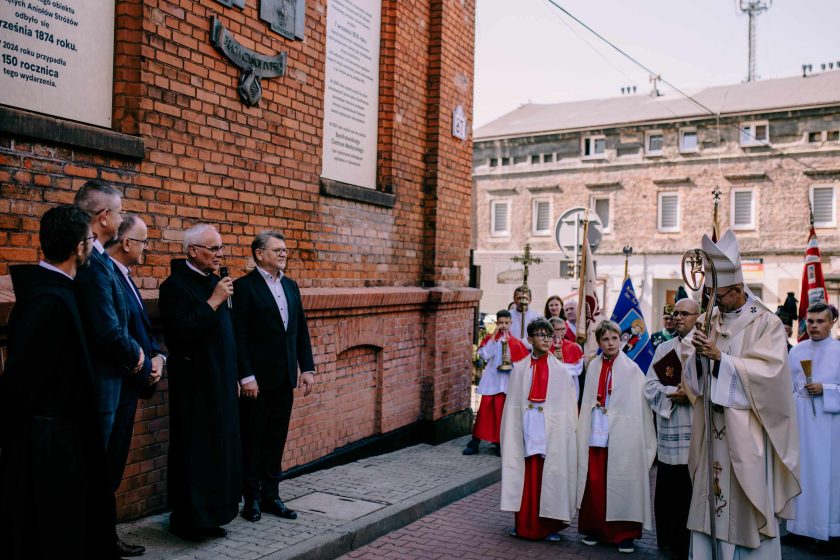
[496, 449]
[472, 447]
[251, 511]
[214, 533]
[626, 546]
[278, 508]
[125, 549]
[187, 533]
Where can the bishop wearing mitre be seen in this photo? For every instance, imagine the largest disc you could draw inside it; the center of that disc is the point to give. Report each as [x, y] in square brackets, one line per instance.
[755, 445]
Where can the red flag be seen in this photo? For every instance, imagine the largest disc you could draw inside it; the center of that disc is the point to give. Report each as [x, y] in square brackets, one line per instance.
[813, 284]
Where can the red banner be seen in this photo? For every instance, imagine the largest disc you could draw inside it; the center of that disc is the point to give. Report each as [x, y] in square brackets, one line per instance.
[813, 284]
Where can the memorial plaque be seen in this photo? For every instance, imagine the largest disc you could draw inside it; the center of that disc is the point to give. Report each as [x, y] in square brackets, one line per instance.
[57, 58]
[254, 65]
[286, 17]
[351, 96]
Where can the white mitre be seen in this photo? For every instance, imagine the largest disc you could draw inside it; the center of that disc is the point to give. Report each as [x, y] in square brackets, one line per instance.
[726, 257]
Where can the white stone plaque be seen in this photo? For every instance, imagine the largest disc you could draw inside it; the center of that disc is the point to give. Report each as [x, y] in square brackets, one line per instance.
[351, 96]
[57, 57]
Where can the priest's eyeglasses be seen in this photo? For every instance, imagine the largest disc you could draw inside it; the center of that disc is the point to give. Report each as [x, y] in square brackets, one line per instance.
[213, 249]
[145, 242]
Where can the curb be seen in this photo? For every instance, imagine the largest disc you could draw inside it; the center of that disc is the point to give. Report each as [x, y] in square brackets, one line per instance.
[367, 529]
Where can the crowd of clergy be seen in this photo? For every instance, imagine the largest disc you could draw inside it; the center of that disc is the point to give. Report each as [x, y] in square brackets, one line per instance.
[766, 473]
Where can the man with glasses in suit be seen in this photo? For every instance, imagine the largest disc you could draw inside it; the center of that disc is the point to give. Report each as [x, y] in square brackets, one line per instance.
[115, 355]
[272, 342]
[126, 251]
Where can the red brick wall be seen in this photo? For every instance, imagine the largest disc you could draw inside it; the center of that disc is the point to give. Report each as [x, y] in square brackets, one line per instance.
[400, 349]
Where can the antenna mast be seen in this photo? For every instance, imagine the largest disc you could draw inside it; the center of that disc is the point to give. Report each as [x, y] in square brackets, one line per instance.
[753, 8]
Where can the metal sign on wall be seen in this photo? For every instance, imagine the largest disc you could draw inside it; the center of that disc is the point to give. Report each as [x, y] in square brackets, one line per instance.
[254, 65]
[286, 17]
[57, 58]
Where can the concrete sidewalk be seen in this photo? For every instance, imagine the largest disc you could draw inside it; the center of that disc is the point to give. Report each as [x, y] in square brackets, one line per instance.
[339, 509]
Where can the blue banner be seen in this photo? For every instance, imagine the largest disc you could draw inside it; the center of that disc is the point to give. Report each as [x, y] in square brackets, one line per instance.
[635, 338]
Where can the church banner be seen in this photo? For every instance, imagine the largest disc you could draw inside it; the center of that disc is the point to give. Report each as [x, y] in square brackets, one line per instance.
[635, 338]
[813, 283]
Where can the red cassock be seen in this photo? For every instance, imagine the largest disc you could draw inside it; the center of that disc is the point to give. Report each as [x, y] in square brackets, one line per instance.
[528, 523]
[592, 520]
[488, 419]
[571, 351]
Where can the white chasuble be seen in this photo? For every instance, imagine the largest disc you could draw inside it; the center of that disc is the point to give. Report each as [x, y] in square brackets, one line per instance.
[754, 443]
[818, 507]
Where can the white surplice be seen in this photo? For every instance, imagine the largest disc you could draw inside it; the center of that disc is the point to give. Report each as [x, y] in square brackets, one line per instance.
[818, 507]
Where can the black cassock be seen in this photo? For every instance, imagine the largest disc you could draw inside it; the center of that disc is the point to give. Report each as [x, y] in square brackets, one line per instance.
[204, 470]
[52, 484]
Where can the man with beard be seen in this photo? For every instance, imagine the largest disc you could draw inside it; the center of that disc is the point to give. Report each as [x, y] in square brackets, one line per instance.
[204, 469]
[51, 465]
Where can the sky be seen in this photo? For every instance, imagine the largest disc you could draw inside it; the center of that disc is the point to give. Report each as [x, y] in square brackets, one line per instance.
[529, 51]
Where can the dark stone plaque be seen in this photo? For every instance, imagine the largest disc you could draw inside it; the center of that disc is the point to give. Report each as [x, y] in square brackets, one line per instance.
[254, 65]
[232, 3]
[286, 17]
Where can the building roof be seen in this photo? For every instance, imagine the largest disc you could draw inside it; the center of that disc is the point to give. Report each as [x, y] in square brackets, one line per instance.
[761, 96]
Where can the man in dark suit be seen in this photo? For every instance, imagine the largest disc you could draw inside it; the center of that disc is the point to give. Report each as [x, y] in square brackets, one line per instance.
[272, 340]
[115, 355]
[51, 458]
[126, 251]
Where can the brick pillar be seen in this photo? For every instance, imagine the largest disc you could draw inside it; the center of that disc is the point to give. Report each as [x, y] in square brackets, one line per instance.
[447, 188]
[447, 182]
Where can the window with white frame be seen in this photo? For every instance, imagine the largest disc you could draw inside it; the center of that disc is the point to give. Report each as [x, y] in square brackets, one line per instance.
[755, 133]
[541, 217]
[601, 206]
[688, 140]
[742, 214]
[823, 204]
[654, 142]
[499, 218]
[535, 159]
[668, 212]
[519, 160]
[832, 135]
[548, 158]
[593, 147]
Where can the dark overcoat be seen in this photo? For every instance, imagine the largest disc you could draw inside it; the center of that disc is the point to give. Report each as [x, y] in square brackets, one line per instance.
[204, 470]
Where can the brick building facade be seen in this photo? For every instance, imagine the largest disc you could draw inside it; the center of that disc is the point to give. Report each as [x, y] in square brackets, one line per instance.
[647, 165]
[384, 272]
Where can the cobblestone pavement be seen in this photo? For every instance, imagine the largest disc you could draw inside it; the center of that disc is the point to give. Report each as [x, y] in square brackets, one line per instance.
[475, 529]
[334, 504]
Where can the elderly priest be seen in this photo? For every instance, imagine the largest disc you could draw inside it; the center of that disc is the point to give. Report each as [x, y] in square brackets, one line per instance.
[755, 445]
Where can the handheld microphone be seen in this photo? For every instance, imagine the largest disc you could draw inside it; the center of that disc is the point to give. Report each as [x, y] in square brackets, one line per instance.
[224, 272]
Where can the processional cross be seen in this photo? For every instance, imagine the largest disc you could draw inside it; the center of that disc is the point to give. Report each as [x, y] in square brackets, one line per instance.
[525, 259]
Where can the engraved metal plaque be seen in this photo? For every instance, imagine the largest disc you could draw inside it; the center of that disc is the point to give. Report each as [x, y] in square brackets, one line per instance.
[286, 17]
[254, 65]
